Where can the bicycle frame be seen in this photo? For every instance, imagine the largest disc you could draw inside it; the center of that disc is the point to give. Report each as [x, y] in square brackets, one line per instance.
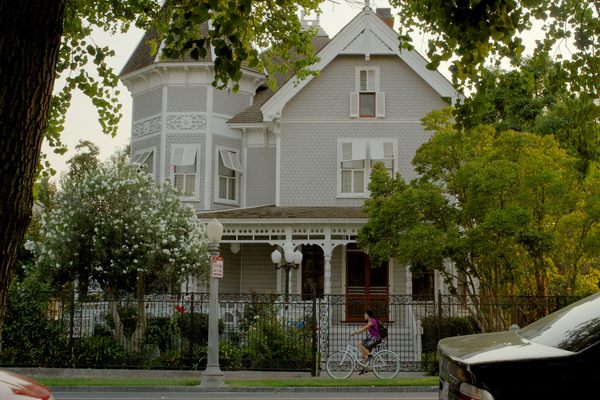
[353, 352]
[384, 363]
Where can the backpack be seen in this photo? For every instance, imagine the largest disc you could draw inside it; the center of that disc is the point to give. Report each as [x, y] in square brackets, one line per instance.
[383, 332]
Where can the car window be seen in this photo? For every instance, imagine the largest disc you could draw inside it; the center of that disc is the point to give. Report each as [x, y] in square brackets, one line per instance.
[572, 328]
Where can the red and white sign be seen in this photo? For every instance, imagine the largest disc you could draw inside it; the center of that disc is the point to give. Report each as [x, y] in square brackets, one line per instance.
[216, 266]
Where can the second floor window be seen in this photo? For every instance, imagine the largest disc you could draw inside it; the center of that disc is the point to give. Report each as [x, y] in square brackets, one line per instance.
[184, 166]
[145, 161]
[228, 175]
[357, 158]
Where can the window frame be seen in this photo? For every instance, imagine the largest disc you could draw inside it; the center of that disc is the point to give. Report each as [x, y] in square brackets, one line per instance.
[236, 178]
[367, 164]
[138, 153]
[196, 173]
[371, 90]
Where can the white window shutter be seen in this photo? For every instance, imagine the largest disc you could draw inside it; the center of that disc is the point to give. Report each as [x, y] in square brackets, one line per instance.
[376, 150]
[231, 160]
[359, 150]
[177, 155]
[189, 156]
[380, 104]
[353, 104]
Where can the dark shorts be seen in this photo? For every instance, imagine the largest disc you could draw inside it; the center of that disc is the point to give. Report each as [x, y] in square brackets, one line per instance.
[371, 342]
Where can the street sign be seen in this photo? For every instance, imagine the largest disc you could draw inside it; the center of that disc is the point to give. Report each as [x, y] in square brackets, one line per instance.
[216, 266]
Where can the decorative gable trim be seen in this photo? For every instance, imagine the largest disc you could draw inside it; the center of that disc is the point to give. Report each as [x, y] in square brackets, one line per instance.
[366, 34]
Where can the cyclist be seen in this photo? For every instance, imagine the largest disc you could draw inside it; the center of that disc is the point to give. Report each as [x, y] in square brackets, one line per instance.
[373, 338]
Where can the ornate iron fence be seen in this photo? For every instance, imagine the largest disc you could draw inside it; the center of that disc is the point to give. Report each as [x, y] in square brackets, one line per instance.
[257, 331]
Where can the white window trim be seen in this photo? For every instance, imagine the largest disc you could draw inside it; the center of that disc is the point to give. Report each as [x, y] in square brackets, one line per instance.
[367, 168]
[149, 150]
[188, 150]
[379, 111]
[216, 178]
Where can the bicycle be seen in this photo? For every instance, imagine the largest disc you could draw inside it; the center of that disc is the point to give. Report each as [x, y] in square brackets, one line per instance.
[385, 364]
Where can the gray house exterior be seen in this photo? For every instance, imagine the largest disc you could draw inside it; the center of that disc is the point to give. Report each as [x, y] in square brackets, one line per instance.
[291, 165]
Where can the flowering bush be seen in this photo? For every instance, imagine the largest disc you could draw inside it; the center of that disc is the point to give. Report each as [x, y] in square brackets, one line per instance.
[115, 227]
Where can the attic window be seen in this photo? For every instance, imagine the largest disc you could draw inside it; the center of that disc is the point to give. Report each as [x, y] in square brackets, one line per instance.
[367, 101]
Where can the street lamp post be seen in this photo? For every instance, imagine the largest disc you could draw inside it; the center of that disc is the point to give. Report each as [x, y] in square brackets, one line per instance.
[292, 260]
[212, 375]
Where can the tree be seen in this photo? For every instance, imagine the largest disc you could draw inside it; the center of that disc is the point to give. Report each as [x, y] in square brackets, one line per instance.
[470, 33]
[115, 228]
[535, 97]
[484, 211]
[45, 40]
[86, 160]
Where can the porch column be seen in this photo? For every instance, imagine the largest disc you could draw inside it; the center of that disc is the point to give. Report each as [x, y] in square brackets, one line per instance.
[327, 252]
[327, 274]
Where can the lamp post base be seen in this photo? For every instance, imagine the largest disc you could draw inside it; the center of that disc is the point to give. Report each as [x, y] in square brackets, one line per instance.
[212, 377]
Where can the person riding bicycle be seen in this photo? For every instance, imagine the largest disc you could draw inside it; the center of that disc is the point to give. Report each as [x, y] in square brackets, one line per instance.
[373, 338]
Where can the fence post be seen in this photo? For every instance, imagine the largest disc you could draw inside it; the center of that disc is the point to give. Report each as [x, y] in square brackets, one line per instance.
[315, 367]
[72, 319]
[192, 327]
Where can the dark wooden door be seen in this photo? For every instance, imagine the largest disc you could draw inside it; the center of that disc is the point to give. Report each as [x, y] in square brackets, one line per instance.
[366, 287]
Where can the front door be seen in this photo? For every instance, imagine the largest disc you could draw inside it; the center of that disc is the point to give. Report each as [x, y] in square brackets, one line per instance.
[366, 287]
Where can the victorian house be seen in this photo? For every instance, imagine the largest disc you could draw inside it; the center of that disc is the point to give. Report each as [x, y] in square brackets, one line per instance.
[291, 165]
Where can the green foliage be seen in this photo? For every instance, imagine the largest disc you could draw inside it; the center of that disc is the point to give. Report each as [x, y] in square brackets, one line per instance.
[435, 329]
[536, 98]
[494, 204]
[30, 336]
[246, 33]
[85, 161]
[194, 327]
[117, 228]
[269, 342]
[98, 351]
[470, 33]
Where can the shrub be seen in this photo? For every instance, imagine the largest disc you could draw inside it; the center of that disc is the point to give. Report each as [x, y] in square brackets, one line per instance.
[31, 337]
[270, 343]
[435, 328]
[98, 351]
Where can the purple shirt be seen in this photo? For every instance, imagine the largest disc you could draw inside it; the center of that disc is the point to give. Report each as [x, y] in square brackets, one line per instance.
[374, 328]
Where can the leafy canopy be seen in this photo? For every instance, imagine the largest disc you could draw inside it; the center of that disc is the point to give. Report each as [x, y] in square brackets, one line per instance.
[469, 33]
[115, 228]
[490, 203]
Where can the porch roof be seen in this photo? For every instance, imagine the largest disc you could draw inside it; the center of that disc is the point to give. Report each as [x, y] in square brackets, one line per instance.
[273, 213]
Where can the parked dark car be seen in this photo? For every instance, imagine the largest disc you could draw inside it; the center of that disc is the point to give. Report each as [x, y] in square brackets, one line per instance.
[18, 387]
[556, 357]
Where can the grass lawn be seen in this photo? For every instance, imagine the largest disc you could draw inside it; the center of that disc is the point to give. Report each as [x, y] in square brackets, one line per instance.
[298, 382]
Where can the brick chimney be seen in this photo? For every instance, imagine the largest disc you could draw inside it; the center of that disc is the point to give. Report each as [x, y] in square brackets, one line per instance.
[386, 15]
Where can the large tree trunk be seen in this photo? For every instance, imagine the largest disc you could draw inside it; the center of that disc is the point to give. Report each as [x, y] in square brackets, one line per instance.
[29, 46]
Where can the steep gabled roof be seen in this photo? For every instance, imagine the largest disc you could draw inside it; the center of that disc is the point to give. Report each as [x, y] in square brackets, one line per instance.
[367, 34]
[141, 57]
[252, 114]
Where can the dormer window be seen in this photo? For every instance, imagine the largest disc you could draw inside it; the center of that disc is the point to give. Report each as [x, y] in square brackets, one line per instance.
[367, 101]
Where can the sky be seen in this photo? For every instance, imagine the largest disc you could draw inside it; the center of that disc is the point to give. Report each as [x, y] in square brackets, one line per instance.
[82, 119]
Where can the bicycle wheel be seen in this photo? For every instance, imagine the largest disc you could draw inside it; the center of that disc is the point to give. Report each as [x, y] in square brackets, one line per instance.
[340, 365]
[386, 364]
